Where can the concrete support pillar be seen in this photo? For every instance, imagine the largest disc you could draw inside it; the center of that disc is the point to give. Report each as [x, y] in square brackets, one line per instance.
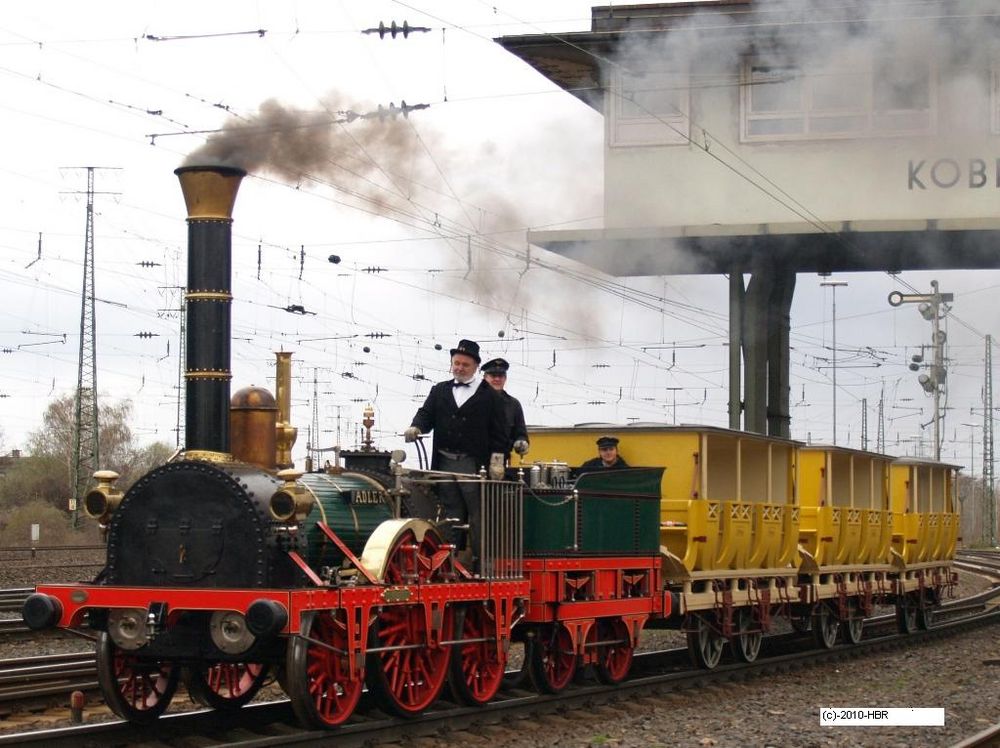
[765, 328]
[778, 357]
[735, 346]
[755, 329]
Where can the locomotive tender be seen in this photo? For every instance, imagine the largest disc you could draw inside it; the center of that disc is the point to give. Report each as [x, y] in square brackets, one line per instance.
[226, 567]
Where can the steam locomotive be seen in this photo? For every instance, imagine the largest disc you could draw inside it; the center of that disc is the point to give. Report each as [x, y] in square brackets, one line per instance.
[226, 567]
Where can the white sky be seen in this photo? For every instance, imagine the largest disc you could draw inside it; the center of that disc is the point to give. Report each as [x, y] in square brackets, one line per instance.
[78, 82]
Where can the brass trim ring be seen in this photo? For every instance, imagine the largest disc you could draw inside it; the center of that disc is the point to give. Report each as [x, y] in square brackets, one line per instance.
[208, 296]
[208, 374]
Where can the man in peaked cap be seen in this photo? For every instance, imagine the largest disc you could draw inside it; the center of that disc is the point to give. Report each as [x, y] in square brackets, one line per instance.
[495, 372]
[470, 431]
[607, 459]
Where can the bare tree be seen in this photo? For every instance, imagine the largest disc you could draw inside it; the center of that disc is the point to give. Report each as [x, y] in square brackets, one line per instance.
[44, 473]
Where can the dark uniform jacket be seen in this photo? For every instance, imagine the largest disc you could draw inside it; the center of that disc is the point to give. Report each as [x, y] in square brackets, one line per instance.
[479, 428]
[517, 428]
[595, 464]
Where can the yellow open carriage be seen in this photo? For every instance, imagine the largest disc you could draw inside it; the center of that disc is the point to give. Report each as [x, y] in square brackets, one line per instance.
[845, 505]
[924, 518]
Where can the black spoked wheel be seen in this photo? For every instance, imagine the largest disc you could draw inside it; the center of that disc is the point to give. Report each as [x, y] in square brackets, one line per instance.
[705, 643]
[825, 626]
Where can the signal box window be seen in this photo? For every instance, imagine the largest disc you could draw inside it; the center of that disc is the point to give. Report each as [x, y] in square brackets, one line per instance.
[648, 109]
[789, 102]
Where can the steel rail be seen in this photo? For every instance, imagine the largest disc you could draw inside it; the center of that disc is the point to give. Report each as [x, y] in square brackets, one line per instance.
[988, 738]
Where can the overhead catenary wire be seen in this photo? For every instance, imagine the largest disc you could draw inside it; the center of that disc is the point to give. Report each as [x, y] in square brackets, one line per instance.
[498, 250]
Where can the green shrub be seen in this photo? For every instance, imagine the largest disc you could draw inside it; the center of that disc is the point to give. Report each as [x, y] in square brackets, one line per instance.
[55, 526]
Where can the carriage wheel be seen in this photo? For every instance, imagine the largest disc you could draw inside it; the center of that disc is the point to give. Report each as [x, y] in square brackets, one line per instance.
[825, 625]
[225, 685]
[906, 615]
[854, 624]
[925, 614]
[705, 644]
[553, 661]
[477, 667]
[801, 624]
[135, 690]
[614, 660]
[407, 680]
[318, 680]
[746, 643]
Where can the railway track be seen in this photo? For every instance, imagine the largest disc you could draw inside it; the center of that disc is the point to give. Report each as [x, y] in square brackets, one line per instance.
[25, 678]
[981, 562]
[272, 723]
[44, 676]
[12, 599]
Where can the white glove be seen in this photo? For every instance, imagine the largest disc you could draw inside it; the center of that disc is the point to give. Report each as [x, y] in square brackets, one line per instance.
[411, 434]
[521, 446]
[496, 466]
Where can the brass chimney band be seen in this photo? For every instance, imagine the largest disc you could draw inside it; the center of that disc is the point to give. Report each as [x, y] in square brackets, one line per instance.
[208, 375]
[209, 296]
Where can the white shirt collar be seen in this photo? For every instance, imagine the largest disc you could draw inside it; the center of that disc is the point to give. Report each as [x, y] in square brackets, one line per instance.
[461, 394]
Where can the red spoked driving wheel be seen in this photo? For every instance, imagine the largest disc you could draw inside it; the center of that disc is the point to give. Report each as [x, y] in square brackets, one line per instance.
[319, 681]
[136, 690]
[477, 665]
[225, 685]
[614, 655]
[553, 661]
[410, 561]
[406, 672]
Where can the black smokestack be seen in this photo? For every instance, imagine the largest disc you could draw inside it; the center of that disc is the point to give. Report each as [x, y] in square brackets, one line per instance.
[209, 193]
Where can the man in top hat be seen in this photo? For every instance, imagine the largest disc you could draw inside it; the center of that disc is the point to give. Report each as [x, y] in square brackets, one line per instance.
[495, 372]
[470, 431]
[607, 459]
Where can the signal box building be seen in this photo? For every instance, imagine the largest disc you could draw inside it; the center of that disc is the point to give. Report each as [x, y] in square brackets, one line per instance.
[769, 138]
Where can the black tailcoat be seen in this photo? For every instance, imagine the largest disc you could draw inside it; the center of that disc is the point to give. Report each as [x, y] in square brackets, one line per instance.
[479, 428]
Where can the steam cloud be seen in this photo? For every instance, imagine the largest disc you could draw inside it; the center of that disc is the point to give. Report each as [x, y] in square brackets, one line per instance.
[296, 144]
[393, 170]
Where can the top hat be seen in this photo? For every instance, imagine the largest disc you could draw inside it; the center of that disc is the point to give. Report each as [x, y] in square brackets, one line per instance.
[468, 348]
[607, 441]
[495, 366]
